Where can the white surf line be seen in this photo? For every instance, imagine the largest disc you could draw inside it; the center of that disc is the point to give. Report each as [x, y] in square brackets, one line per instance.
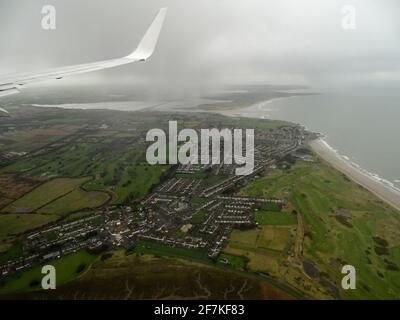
[390, 194]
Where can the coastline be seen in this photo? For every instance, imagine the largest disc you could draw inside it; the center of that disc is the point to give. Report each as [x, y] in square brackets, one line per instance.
[373, 183]
[386, 193]
[379, 187]
[245, 112]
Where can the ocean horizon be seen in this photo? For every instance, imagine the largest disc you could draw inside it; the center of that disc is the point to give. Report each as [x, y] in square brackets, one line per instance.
[360, 125]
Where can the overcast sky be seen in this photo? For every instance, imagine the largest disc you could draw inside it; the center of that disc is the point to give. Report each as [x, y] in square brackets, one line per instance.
[206, 43]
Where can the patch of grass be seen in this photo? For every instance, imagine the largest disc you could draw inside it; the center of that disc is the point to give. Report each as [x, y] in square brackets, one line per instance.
[198, 200]
[44, 194]
[14, 252]
[265, 237]
[275, 218]
[179, 234]
[118, 167]
[76, 200]
[264, 247]
[195, 175]
[211, 180]
[78, 215]
[259, 260]
[271, 206]
[157, 249]
[244, 239]
[199, 217]
[274, 238]
[67, 269]
[128, 183]
[237, 262]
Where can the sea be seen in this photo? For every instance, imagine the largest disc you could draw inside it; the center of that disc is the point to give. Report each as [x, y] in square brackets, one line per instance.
[362, 125]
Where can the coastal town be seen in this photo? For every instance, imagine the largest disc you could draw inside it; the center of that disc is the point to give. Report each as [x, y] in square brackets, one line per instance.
[195, 208]
[78, 193]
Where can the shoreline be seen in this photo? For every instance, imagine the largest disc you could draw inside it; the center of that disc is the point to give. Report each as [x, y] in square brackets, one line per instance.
[251, 112]
[376, 185]
[387, 194]
[385, 191]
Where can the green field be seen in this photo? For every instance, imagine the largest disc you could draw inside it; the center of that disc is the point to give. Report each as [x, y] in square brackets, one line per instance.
[132, 182]
[244, 239]
[74, 201]
[341, 221]
[199, 217]
[275, 218]
[147, 247]
[271, 206]
[198, 200]
[212, 180]
[196, 175]
[49, 201]
[72, 160]
[31, 138]
[14, 224]
[237, 262]
[265, 237]
[63, 195]
[274, 238]
[264, 247]
[67, 269]
[118, 167]
[44, 194]
[11, 251]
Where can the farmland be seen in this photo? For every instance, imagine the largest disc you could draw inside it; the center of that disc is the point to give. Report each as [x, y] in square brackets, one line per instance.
[264, 247]
[275, 218]
[342, 223]
[77, 199]
[44, 194]
[308, 222]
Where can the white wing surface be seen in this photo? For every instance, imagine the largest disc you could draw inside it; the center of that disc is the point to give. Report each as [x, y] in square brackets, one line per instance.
[14, 83]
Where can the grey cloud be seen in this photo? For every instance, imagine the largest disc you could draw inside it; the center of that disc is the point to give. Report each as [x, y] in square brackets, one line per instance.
[208, 43]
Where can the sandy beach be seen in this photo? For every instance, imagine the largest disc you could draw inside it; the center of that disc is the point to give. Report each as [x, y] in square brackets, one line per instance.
[374, 185]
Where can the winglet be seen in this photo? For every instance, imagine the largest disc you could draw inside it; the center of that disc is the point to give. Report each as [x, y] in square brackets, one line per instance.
[147, 45]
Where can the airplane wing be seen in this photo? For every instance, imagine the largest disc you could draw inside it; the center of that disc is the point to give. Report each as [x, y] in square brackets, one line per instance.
[13, 84]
